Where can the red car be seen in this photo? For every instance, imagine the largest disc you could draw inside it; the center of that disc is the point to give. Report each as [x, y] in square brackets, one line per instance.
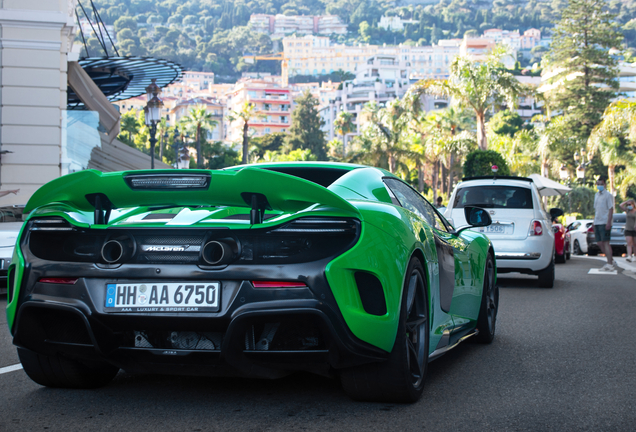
[561, 243]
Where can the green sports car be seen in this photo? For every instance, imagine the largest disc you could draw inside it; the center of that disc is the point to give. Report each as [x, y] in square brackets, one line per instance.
[253, 271]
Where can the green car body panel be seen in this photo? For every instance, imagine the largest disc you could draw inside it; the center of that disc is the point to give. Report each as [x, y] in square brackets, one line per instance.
[390, 234]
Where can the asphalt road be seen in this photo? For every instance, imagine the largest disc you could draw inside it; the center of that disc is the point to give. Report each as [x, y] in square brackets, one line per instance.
[563, 359]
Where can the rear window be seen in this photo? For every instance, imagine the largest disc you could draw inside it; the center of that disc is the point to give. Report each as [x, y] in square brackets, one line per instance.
[494, 197]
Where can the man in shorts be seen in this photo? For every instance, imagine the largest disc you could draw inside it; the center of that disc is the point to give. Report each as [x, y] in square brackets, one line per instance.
[603, 213]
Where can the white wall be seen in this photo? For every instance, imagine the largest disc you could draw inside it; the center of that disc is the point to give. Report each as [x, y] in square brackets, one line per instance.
[34, 41]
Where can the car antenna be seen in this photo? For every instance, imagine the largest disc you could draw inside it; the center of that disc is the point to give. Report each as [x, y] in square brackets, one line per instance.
[494, 169]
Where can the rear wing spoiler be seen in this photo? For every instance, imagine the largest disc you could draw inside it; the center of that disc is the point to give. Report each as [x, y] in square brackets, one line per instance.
[255, 188]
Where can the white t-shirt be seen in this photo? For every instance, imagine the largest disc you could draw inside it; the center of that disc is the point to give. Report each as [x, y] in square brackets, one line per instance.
[603, 202]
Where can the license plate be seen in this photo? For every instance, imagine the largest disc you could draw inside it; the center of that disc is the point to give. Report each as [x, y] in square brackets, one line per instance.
[497, 229]
[163, 297]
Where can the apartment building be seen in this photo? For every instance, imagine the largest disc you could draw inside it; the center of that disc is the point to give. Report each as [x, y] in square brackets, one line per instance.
[273, 108]
[313, 55]
[381, 79]
[198, 80]
[212, 106]
[280, 25]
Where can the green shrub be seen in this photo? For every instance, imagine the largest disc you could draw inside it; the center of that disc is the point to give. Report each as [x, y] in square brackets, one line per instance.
[579, 200]
[480, 162]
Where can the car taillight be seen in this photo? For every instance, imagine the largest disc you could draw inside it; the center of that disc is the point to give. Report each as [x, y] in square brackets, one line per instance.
[302, 240]
[58, 280]
[536, 229]
[591, 229]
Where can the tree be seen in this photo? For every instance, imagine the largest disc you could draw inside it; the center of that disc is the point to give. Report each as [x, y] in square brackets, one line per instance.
[245, 114]
[613, 137]
[305, 131]
[480, 162]
[388, 127]
[199, 119]
[129, 125]
[343, 124]
[582, 73]
[506, 122]
[480, 86]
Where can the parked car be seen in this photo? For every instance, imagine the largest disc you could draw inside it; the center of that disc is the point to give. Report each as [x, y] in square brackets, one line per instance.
[561, 243]
[578, 235]
[617, 239]
[10, 225]
[253, 271]
[521, 231]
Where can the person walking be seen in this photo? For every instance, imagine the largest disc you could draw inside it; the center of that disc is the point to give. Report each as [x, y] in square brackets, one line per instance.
[603, 214]
[629, 206]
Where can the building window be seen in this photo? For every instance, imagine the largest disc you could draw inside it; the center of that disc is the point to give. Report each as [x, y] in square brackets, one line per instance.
[267, 130]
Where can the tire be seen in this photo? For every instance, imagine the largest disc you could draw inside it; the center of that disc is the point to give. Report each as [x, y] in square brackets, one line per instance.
[592, 252]
[577, 248]
[399, 379]
[546, 276]
[487, 319]
[60, 372]
[559, 259]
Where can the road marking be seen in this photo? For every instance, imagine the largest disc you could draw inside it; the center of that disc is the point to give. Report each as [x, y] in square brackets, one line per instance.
[599, 272]
[11, 368]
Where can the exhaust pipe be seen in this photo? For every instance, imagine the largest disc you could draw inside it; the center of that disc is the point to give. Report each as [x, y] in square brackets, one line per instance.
[112, 251]
[216, 253]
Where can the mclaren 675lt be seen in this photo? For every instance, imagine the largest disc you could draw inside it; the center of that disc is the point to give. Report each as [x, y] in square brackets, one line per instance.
[255, 271]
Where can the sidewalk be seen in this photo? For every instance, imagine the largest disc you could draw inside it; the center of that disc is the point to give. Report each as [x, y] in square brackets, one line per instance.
[620, 262]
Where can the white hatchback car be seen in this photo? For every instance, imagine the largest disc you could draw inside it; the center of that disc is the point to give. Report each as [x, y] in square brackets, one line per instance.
[578, 235]
[521, 230]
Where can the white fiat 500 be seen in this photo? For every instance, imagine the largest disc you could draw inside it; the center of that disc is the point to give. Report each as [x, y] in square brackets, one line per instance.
[521, 230]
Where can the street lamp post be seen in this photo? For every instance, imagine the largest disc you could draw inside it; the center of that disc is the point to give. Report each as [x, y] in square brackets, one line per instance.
[153, 116]
[175, 138]
[163, 143]
[580, 170]
[183, 156]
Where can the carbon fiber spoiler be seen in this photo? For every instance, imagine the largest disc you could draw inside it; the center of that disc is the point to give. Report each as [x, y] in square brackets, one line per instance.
[255, 188]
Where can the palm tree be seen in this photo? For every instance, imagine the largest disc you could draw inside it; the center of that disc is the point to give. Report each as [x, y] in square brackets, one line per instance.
[480, 86]
[389, 125]
[344, 125]
[612, 136]
[247, 111]
[199, 118]
[129, 124]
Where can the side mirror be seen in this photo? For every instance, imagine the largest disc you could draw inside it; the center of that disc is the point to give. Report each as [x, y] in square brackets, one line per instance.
[555, 213]
[477, 217]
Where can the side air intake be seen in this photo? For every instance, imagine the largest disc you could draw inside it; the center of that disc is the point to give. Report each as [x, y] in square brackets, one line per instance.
[371, 293]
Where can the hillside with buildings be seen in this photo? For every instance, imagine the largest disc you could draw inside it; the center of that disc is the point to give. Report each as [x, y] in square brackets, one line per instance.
[213, 35]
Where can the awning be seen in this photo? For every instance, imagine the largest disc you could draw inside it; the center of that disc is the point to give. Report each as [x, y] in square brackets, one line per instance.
[549, 187]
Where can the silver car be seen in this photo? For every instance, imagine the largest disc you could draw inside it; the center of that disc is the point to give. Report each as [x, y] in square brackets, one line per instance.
[10, 224]
[521, 231]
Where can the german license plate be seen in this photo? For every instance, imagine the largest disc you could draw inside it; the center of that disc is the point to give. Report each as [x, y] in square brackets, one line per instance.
[163, 297]
[497, 229]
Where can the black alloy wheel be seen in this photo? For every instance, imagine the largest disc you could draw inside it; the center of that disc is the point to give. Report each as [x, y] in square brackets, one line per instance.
[416, 328]
[487, 320]
[399, 379]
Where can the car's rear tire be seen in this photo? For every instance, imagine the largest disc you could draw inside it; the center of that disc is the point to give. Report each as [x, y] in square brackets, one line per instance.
[559, 259]
[592, 252]
[61, 372]
[487, 319]
[546, 276]
[577, 248]
[401, 377]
